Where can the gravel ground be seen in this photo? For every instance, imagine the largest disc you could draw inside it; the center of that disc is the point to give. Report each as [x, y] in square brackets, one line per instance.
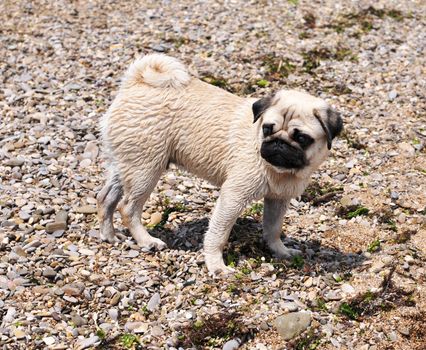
[361, 224]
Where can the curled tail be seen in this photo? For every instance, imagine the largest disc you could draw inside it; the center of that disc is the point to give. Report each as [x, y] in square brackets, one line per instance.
[157, 70]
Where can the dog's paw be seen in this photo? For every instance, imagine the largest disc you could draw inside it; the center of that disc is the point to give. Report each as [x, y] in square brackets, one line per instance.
[288, 254]
[222, 271]
[108, 236]
[282, 252]
[152, 244]
[217, 267]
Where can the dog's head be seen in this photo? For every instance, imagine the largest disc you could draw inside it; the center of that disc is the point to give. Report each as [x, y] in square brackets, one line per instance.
[295, 130]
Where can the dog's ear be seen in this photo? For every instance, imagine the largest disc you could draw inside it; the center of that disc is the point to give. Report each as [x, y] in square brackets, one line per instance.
[331, 122]
[260, 106]
[334, 122]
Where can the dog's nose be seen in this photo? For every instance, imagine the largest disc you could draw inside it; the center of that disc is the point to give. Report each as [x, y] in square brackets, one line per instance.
[267, 129]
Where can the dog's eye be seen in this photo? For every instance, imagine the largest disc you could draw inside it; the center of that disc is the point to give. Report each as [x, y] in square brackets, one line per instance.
[302, 139]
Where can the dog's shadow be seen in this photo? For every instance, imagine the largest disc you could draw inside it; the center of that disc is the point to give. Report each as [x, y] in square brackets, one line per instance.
[245, 242]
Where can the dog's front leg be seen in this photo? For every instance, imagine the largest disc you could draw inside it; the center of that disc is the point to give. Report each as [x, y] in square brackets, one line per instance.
[229, 206]
[273, 215]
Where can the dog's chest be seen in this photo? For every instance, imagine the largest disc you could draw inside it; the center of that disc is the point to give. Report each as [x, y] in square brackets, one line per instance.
[290, 187]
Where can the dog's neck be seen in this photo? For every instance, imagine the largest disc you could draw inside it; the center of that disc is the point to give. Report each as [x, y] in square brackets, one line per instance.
[286, 184]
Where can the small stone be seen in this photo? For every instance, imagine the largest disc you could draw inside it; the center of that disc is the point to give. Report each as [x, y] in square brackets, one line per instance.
[264, 326]
[294, 202]
[333, 295]
[171, 179]
[188, 184]
[115, 299]
[59, 291]
[78, 320]
[91, 150]
[404, 331]
[20, 251]
[13, 162]
[255, 276]
[49, 273]
[328, 330]
[106, 327]
[394, 195]
[154, 302]
[290, 325]
[56, 226]
[407, 149]
[85, 163]
[86, 209]
[136, 327]
[8, 223]
[377, 266]
[56, 316]
[19, 334]
[73, 86]
[401, 218]
[155, 218]
[85, 251]
[347, 288]
[73, 289]
[392, 95]
[44, 140]
[58, 234]
[291, 307]
[169, 193]
[409, 259]
[10, 315]
[113, 313]
[335, 343]
[172, 341]
[132, 253]
[87, 342]
[49, 341]
[157, 331]
[232, 344]
[72, 300]
[350, 164]
[61, 216]
[24, 215]
[261, 346]
[346, 201]
[308, 283]
[158, 48]
[393, 336]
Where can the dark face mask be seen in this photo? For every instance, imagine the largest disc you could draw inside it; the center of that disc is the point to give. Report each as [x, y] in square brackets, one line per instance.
[281, 154]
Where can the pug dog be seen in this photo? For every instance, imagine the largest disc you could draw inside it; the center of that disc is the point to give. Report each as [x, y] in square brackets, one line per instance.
[251, 148]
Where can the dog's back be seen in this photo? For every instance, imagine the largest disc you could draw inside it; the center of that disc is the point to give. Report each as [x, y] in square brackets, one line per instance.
[162, 114]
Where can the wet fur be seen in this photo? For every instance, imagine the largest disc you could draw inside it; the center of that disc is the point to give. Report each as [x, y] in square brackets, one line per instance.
[209, 132]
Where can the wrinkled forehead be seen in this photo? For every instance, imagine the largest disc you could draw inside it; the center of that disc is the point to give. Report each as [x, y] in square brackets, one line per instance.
[291, 109]
[294, 104]
[309, 125]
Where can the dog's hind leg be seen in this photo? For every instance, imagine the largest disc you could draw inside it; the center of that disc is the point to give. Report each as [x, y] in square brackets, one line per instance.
[132, 204]
[108, 199]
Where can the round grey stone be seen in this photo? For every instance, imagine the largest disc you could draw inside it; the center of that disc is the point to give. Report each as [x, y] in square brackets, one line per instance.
[49, 273]
[154, 302]
[290, 325]
[232, 344]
